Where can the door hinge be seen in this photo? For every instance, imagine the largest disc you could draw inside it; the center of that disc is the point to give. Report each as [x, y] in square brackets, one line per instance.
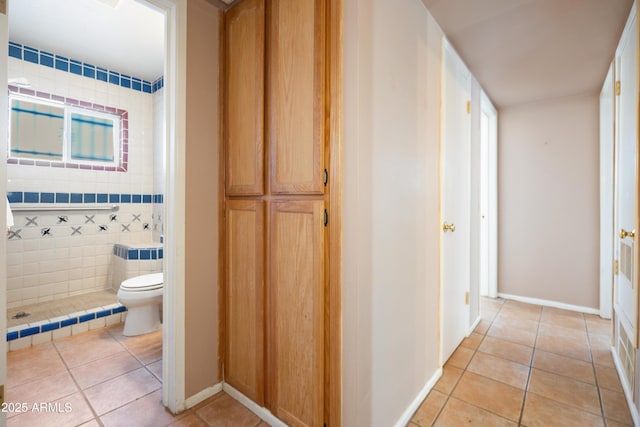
[326, 217]
[326, 177]
[617, 87]
[615, 267]
[466, 298]
[468, 107]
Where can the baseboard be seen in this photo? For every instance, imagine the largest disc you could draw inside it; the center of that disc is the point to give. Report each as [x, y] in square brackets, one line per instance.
[261, 412]
[628, 393]
[202, 395]
[408, 413]
[474, 325]
[553, 304]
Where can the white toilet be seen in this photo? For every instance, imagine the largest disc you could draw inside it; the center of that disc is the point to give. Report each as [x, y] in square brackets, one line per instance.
[142, 295]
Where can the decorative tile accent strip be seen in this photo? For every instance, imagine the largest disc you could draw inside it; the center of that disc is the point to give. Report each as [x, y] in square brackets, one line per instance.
[86, 198]
[61, 63]
[124, 135]
[27, 330]
[126, 252]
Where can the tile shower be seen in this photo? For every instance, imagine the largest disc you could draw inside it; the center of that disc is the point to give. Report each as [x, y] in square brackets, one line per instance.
[89, 227]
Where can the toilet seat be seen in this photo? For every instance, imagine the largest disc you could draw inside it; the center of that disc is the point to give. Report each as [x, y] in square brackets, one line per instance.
[146, 282]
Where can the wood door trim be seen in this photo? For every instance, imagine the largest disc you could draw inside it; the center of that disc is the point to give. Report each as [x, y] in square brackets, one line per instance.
[334, 206]
[222, 226]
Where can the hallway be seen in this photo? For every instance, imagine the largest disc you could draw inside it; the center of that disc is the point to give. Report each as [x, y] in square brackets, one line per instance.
[529, 365]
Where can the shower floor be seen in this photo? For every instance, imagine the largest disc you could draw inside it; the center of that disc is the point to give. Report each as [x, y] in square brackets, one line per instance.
[60, 307]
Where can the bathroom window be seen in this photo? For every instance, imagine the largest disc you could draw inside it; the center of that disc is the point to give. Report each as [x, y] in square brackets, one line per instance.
[58, 132]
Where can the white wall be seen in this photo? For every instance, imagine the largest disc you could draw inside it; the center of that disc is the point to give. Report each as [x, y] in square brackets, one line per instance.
[548, 201]
[390, 214]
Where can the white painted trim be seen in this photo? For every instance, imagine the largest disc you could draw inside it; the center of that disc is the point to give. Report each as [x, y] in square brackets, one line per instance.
[628, 394]
[408, 413]
[264, 414]
[548, 303]
[203, 395]
[488, 107]
[173, 341]
[4, 132]
[607, 160]
[474, 325]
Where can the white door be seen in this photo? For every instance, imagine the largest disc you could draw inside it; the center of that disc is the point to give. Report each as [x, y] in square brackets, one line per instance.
[456, 205]
[625, 293]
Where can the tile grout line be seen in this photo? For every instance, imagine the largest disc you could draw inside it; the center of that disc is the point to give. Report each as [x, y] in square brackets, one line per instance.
[449, 395]
[595, 373]
[73, 378]
[533, 355]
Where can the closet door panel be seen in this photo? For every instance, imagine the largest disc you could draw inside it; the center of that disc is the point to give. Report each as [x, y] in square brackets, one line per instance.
[295, 97]
[244, 367]
[245, 98]
[296, 314]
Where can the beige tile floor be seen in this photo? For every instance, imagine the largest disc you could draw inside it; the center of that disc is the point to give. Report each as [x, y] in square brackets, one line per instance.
[106, 379]
[60, 307]
[524, 365]
[530, 366]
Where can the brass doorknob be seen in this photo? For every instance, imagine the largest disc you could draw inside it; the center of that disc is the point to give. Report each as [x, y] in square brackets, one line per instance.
[624, 233]
[450, 227]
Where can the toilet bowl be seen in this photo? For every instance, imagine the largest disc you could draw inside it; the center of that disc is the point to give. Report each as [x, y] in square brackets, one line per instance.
[142, 296]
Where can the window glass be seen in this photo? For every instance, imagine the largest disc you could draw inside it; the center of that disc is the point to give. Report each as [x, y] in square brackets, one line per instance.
[91, 138]
[37, 130]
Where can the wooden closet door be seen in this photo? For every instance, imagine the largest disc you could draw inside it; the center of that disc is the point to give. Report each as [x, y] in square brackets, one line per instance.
[245, 98]
[296, 312]
[244, 361]
[296, 95]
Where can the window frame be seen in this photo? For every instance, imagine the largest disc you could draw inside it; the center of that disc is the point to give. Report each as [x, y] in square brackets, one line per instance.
[119, 116]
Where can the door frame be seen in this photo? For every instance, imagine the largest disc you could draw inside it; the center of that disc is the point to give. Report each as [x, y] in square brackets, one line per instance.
[4, 132]
[173, 303]
[607, 200]
[491, 168]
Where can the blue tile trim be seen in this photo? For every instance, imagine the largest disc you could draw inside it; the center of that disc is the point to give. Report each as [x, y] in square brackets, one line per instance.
[33, 330]
[125, 252]
[62, 197]
[50, 326]
[31, 197]
[103, 313]
[86, 317]
[69, 322]
[30, 54]
[48, 197]
[29, 331]
[15, 196]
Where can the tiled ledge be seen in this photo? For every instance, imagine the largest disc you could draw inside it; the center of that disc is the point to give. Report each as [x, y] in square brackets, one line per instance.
[23, 336]
[138, 253]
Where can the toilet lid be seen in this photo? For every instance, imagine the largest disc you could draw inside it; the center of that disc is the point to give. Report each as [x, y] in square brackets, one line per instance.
[146, 282]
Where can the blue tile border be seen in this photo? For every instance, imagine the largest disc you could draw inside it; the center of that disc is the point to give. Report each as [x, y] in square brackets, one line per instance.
[144, 254]
[61, 63]
[26, 330]
[66, 198]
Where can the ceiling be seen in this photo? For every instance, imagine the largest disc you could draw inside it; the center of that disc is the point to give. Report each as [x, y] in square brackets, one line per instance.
[528, 50]
[127, 37]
